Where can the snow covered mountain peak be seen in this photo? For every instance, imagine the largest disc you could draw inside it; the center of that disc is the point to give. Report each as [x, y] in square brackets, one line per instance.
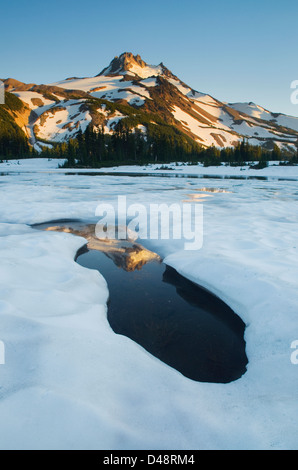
[129, 64]
[149, 99]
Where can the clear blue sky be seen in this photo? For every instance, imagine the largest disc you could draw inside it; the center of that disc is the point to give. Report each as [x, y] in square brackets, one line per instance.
[233, 50]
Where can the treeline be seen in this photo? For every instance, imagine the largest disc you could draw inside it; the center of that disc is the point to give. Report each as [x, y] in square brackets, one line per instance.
[14, 145]
[13, 141]
[95, 149]
[244, 152]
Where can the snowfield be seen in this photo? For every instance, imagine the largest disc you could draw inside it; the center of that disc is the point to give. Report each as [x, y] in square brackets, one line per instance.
[224, 131]
[110, 88]
[69, 382]
[254, 110]
[54, 127]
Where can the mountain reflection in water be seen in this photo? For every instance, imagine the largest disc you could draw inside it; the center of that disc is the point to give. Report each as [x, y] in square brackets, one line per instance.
[172, 318]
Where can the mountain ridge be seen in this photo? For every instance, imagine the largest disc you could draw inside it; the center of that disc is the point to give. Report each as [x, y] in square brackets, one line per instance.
[60, 110]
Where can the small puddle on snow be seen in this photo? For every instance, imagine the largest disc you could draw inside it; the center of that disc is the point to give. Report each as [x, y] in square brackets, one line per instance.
[174, 319]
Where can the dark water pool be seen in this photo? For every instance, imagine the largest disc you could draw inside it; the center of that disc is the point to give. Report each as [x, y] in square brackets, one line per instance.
[174, 319]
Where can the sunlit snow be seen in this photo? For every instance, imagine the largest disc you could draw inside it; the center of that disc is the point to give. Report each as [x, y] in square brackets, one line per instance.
[69, 382]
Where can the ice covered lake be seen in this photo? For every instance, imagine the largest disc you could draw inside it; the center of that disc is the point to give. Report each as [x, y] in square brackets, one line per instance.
[66, 366]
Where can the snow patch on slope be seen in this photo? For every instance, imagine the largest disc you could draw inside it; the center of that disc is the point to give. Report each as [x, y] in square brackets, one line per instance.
[205, 133]
[257, 111]
[28, 96]
[58, 125]
[109, 88]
